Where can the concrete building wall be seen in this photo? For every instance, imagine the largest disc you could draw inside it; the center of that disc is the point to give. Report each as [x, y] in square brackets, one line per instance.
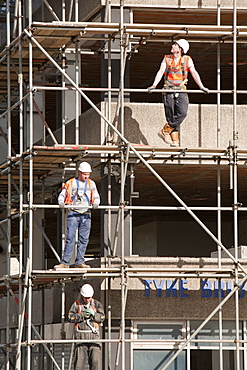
[179, 237]
[143, 121]
[91, 7]
[38, 251]
[145, 239]
[37, 309]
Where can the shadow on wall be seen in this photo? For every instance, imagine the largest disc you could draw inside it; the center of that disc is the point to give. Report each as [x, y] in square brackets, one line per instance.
[132, 130]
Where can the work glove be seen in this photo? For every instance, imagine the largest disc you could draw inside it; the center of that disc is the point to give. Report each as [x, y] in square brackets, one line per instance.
[95, 205]
[205, 90]
[61, 205]
[150, 88]
[88, 313]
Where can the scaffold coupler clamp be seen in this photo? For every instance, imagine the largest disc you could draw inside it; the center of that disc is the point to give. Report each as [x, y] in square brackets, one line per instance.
[236, 206]
[232, 143]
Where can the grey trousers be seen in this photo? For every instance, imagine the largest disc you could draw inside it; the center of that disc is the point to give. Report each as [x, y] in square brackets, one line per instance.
[87, 353]
[176, 108]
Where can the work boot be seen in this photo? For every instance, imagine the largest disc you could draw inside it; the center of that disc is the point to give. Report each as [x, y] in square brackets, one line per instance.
[82, 266]
[175, 139]
[165, 133]
[61, 266]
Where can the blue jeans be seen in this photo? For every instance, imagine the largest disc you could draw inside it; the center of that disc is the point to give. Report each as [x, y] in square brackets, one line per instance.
[176, 108]
[82, 222]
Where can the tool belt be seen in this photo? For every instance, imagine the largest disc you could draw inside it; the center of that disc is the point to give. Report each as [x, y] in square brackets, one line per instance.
[182, 86]
[174, 87]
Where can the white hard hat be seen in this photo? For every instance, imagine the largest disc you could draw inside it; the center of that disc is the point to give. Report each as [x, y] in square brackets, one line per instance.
[183, 44]
[85, 167]
[87, 291]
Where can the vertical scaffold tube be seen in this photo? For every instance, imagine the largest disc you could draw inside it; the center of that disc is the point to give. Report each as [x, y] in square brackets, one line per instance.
[9, 183]
[235, 184]
[63, 325]
[109, 79]
[108, 282]
[122, 68]
[77, 74]
[21, 321]
[219, 262]
[121, 92]
[218, 80]
[30, 231]
[122, 264]
[219, 185]
[21, 146]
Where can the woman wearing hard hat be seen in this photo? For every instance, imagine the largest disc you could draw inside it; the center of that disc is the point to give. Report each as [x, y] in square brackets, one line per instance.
[175, 68]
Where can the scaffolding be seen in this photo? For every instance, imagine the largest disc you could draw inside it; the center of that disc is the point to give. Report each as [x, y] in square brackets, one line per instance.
[33, 48]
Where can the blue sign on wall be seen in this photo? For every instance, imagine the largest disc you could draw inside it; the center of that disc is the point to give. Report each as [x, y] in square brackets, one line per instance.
[177, 288]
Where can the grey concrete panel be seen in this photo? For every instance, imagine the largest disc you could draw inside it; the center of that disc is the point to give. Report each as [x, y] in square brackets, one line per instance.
[181, 3]
[90, 128]
[88, 9]
[37, 309]
[143, 121]
[145, 236]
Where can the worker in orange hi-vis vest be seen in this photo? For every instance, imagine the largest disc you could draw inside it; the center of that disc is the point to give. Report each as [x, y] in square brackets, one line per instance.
[87, 314]
[175, 69]
[81, 193]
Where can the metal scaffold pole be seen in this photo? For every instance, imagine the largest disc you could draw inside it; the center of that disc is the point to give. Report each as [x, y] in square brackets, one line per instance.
[30, 198]
[235, 183]
[21, 320]
[108, 281]
[77, 81]
[218, 80]
[9, 182]
[219, 233]
[109, 76]
[21, 200]
[219, 216]
[123, 177]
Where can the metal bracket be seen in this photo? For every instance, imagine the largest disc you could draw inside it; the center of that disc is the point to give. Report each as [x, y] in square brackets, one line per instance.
[236, 206]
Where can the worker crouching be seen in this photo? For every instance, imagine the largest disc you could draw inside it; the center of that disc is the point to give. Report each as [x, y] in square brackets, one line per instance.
[87, 314]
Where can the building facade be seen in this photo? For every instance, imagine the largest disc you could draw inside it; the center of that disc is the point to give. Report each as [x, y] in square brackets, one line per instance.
[168, 243]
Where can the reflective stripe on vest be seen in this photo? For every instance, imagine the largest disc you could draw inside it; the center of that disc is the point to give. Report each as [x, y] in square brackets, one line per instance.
[68, 186]
[176, 74]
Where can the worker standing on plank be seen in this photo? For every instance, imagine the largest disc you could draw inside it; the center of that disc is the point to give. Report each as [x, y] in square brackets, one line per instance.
[78, 191]
[175, 69]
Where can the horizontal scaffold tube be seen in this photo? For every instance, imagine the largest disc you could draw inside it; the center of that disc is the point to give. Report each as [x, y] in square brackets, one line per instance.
[139, 341]
[197, 91]
[148, 208]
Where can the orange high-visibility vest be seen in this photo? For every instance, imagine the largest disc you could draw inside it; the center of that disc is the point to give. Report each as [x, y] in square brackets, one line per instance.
[175, 75]
[68, 186]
